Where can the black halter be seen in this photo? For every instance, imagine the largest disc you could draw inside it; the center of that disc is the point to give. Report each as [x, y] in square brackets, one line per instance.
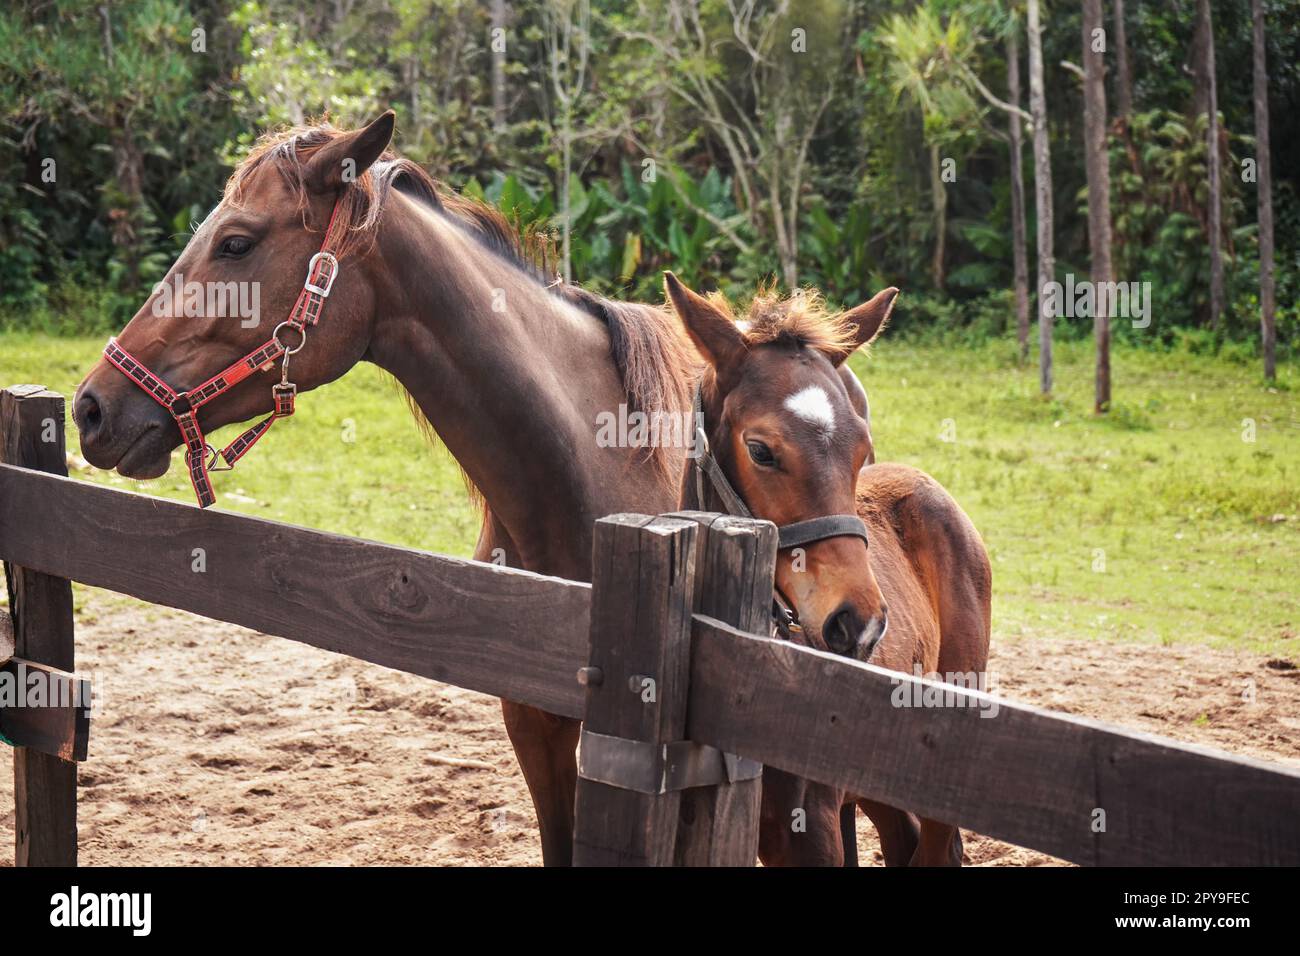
[788, 536]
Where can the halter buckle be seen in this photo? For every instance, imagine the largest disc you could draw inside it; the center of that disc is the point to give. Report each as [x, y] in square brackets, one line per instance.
[701, 443]
[181, 405]
[329, 276]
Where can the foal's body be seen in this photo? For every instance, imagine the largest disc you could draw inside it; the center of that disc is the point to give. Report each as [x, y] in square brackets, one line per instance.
[791, 438]
[934, 572]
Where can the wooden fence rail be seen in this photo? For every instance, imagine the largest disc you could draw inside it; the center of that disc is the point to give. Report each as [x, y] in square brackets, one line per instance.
[498, 630]
[681, 701]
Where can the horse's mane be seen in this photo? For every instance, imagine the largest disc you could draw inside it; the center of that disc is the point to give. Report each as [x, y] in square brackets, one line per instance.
[653, 359]
[801, 319]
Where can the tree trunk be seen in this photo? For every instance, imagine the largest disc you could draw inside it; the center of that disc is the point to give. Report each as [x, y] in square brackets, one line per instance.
[566, 178]
[1205, 44]
[1097, 162]
[1264, 175]
[1123, 75]
[1042, 195]
[411, 77]
[128, 173]
[940, 191]
[498, 69]
[1019, 254]
[124, 220]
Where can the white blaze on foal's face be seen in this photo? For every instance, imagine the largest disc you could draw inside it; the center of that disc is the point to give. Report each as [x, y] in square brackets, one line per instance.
[812, 405]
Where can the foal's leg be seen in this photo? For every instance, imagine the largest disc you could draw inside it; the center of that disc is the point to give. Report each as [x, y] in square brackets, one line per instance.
[545, 747]
[940, 845]
[849, 833]
[799, 822]
[898, 830]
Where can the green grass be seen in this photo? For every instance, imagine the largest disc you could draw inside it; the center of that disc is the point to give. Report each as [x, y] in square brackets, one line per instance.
[1157, 523]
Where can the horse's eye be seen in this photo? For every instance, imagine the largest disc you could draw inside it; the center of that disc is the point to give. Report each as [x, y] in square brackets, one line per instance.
[760, 454]
[235, 246]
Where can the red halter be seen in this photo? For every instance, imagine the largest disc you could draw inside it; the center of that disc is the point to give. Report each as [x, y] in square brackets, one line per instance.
[184, 406]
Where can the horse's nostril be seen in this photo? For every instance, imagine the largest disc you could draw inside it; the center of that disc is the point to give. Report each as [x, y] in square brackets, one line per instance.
[842, 631]
[88, 414]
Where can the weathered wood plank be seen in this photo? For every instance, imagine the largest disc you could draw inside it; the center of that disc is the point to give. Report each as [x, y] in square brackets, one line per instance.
[502, 631]
[735, 559]
[6, 636]
[60, 725]
[643, 573]
[1024, 775]
[45, 786]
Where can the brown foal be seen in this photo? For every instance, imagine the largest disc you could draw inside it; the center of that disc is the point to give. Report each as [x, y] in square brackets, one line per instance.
[791, 441]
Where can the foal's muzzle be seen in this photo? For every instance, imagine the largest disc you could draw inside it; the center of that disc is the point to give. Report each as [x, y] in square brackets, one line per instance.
[846, 633]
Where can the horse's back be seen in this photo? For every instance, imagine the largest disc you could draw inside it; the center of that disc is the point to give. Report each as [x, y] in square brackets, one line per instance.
[912, 518]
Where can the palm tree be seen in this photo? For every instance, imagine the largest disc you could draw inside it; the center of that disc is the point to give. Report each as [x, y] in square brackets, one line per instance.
[1042, 194]
[922, 45]
[1203, 54]
[1097, 161]
[1264, 175]
[1020, 259]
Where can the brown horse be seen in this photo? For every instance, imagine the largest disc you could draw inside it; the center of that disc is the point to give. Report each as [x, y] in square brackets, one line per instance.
[789, 440]
[509, 372]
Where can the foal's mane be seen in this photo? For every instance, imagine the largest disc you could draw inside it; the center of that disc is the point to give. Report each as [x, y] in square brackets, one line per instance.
[653, 359]
[799, 320]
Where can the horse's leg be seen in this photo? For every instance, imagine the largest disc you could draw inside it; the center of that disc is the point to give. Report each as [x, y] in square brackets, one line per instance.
[940, 845]
[898, 830]
[849, 833]
[545, 747]
[544, 744]
[799, 822]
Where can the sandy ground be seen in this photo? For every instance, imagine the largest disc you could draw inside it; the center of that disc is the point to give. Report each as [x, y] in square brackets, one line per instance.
[217, 745]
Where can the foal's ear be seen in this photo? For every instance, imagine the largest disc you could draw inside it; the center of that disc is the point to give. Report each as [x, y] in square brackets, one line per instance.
[869, 319]
[343, 160]
[712, 331]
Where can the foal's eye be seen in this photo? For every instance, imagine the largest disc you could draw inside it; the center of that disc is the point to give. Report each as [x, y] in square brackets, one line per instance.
[760, 454]
[235, 246]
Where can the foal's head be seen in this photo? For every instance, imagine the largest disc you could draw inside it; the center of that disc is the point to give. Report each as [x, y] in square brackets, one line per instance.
[784, 430]
[239, 276]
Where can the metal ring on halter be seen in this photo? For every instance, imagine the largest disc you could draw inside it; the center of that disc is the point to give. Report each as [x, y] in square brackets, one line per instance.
[216, 456]
[300, 329]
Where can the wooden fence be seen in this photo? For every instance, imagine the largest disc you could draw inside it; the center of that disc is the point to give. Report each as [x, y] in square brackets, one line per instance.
[681, 702]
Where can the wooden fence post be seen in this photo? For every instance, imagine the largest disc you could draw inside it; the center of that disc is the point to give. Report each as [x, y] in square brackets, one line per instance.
[45, 787]
[643, 576]
[735, 559]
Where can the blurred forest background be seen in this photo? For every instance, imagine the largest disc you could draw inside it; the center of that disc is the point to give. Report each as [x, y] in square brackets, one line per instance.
[844, 144]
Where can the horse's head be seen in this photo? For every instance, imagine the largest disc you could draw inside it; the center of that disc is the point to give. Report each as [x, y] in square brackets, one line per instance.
[784, 429]
[236, 281]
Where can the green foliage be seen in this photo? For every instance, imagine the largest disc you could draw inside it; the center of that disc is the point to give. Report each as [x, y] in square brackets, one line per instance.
[1158, 196]
[837, 253]
[627, 232]
[143, 129]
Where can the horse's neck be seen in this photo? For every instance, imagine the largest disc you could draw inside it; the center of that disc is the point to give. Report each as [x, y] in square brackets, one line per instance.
[512, 379]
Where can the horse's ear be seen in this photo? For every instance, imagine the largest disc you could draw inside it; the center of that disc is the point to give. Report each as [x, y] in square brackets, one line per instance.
[343, 160]
[869, 319]
[712, 331]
